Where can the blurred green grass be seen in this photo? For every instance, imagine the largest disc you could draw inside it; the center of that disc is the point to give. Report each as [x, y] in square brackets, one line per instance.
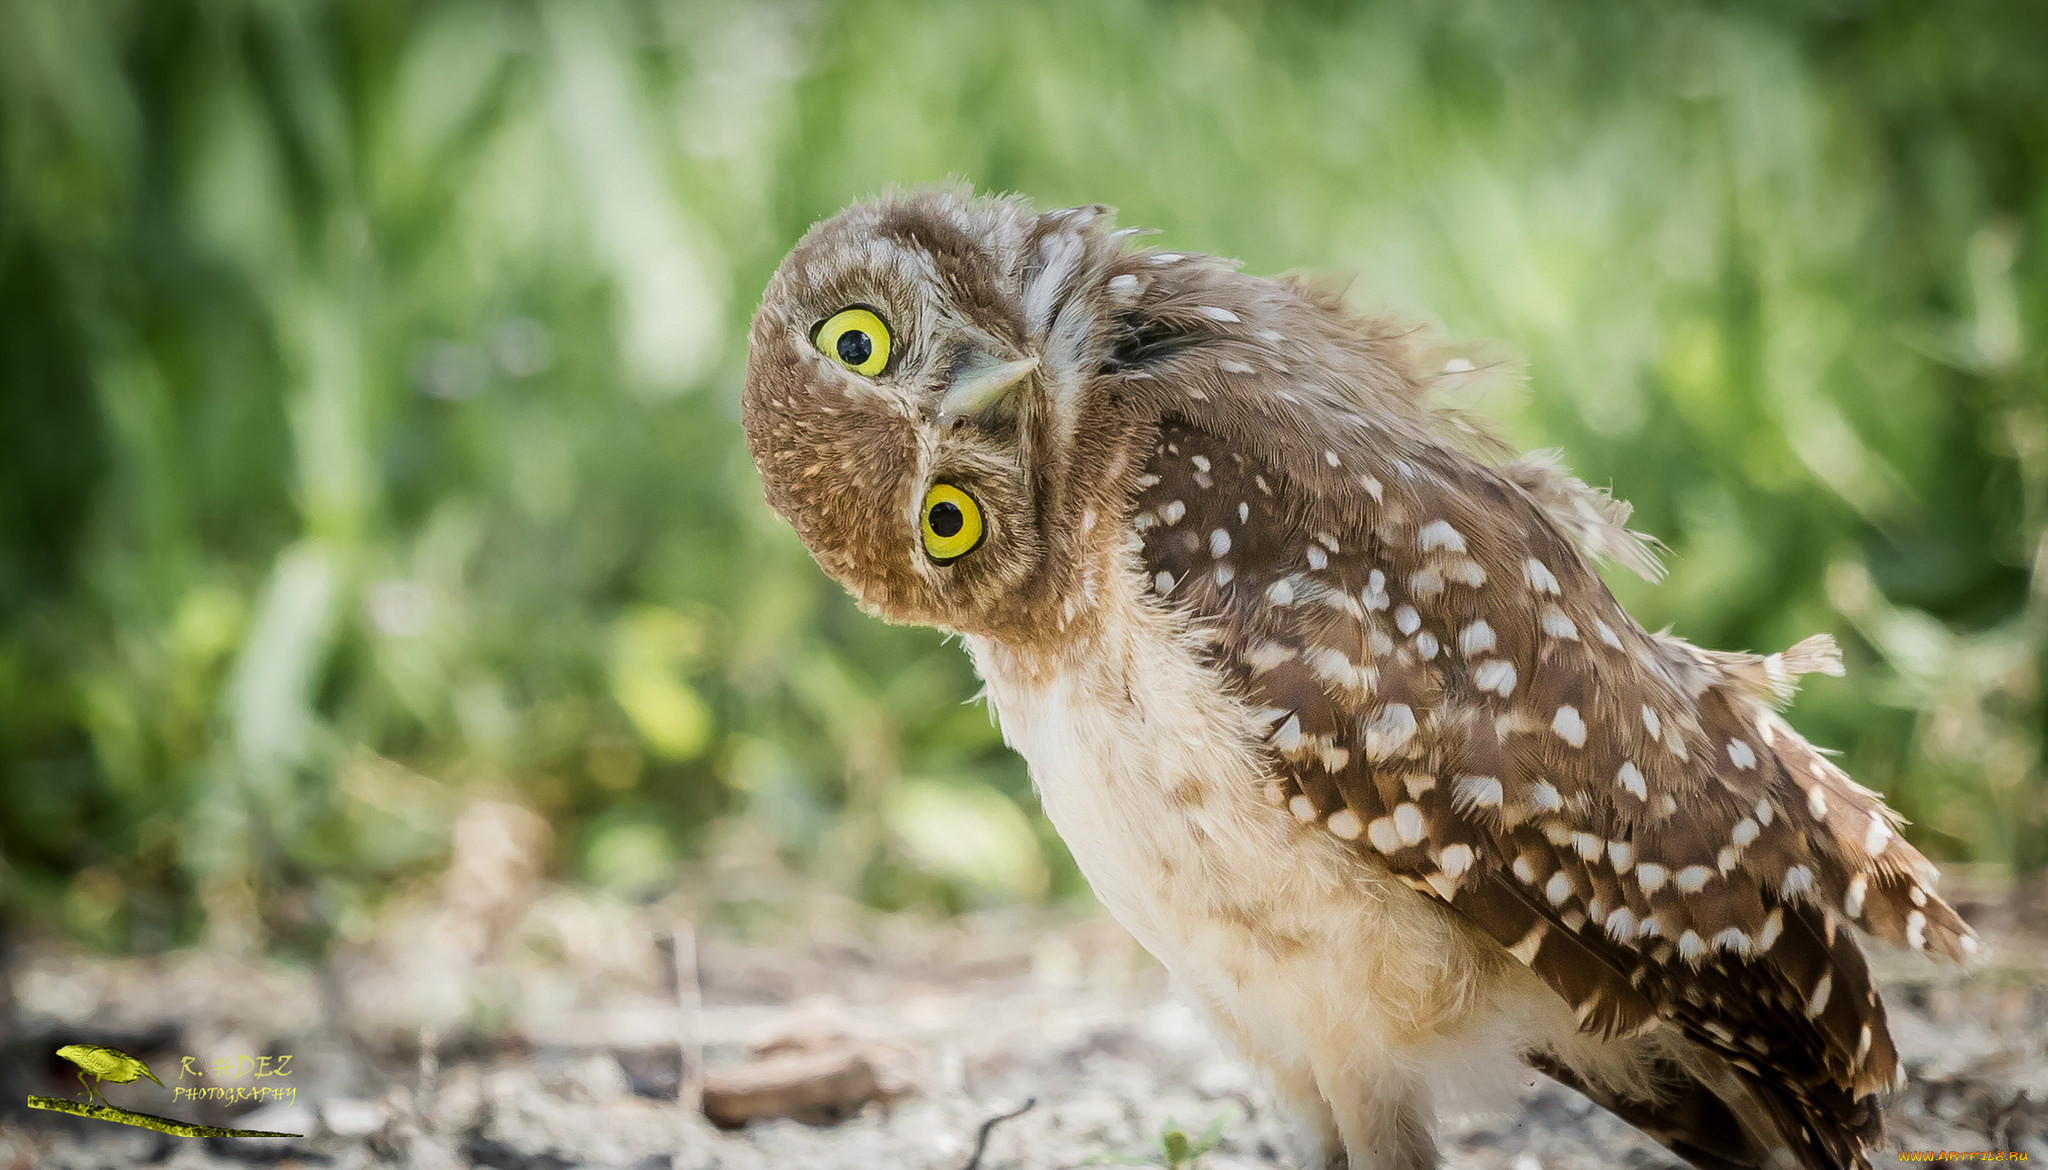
[368, 379]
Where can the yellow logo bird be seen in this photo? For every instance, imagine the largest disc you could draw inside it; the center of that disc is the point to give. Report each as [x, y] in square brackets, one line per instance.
[105, 1064]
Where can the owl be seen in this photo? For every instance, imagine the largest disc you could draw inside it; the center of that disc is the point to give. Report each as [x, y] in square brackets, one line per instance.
[1326, 697]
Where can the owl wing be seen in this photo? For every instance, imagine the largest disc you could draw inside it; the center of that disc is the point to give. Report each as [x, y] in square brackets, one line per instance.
[1445, 683]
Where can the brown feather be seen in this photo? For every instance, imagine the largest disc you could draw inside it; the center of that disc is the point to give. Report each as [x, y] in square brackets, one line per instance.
[1344, 622]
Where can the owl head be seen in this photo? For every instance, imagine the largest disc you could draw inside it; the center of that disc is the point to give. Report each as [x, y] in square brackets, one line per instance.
[916, 379]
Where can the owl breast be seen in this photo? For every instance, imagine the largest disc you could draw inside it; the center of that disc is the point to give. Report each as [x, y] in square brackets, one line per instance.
[1150, 769]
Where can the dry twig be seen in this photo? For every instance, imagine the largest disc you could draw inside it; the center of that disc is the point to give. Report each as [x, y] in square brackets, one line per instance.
[689, 1017]
[987, 1127]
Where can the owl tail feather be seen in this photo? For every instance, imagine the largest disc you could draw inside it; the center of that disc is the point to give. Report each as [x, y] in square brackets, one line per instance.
[1717, 1118]
[1692, 1122]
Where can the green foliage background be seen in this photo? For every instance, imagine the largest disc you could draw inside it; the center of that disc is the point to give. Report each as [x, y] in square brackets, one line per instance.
[368, 374]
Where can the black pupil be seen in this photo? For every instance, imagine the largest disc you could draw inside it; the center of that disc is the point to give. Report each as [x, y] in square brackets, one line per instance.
[946, 519]
[855, 347]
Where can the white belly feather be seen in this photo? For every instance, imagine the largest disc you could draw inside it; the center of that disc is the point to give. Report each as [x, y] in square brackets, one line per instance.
[1326, 971]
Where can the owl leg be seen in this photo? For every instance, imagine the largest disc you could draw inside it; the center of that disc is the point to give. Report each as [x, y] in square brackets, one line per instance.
[1385, 1122]
[1318, 1145]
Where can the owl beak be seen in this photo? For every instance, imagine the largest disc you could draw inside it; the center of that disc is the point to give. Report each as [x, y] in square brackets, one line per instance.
[982, 386]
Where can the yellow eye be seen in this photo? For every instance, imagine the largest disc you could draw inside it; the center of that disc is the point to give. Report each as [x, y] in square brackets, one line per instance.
[856, 339]
[952, 523]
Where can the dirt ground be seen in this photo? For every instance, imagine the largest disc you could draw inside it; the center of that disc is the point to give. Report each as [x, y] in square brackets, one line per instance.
[534, 1027]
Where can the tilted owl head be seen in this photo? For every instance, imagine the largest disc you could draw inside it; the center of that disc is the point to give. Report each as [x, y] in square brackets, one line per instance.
[914, 393]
